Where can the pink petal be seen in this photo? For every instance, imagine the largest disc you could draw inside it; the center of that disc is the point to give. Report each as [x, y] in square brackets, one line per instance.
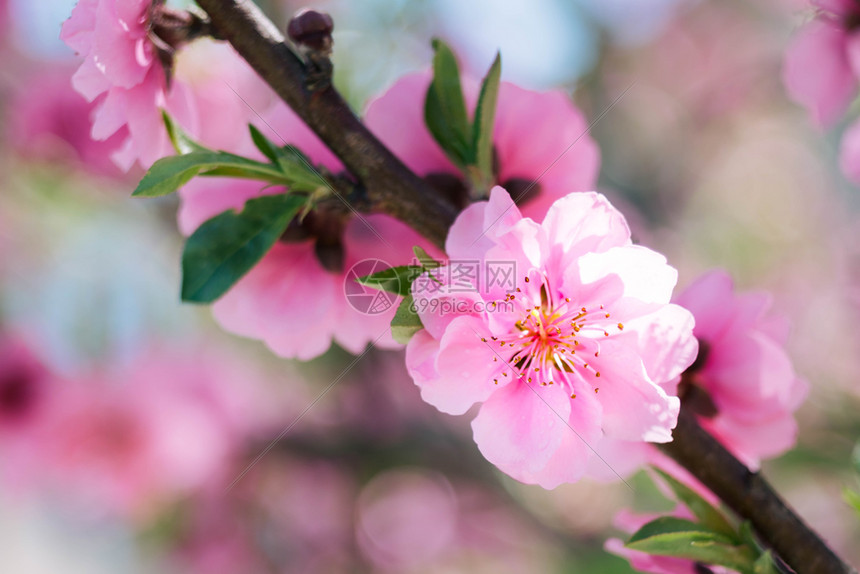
[753, 442]
[397, 119]
[817, 73]
[204, 198]
[572, 458]
[111, 115]
[77, 31]
[666, 342]
[634, 408]
[584, 222]
[645, 274]
[749, 376]
[89, 81]
[544, 137]
[287, 300]
[706, 298]
[475, 229]
[464, 368]
[520, 427]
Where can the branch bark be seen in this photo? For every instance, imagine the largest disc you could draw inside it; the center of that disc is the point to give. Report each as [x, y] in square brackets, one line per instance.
[750, 496]
[395, 190]
[392, 188]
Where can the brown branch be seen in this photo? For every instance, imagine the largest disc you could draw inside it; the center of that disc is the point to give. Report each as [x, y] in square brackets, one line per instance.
[391, 187]
[750, 496]
[394, 189]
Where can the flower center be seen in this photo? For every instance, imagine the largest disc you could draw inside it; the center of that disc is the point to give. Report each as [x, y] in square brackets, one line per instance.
[553, 338]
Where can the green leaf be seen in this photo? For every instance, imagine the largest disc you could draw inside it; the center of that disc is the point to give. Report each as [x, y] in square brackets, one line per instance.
[397, 280]
[170, 173]
[263, 143]
[482, 129]
[406, 321]
[709, 516]
[424, 259]
[852, 498]
[298, 170]
[181, 141]
[227, 246]
[670, 536]
[765, 564]
[445, 106]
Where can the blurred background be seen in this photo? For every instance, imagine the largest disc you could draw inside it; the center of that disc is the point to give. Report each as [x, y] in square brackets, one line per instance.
[136, 436]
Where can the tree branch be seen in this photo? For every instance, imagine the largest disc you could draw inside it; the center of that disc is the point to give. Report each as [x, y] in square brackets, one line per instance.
[395, 190]
[392, 187]
[750, 496]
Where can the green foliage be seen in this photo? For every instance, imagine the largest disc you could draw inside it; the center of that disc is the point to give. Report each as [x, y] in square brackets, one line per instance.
[170, 173]
[397, 280]
[709, 539]
[406, 321]
[287, 165]
[445, 106]
[670, 536]
[182, 142]
[765, 564]
[482, 129]
[468, 145]
[707, 515]
[424, 258]
[226, 247]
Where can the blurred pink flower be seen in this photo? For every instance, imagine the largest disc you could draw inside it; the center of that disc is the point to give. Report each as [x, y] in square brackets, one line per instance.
[134, 436]
[743, 368]
[290, 300]
[49, 120]
[821, 64]
[589, 331]
[27, 393]
[392, 515]
[24, 388]
[122, 70]
[538, 136]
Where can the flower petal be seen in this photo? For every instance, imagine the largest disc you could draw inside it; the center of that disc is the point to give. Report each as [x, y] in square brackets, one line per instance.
[520, 427]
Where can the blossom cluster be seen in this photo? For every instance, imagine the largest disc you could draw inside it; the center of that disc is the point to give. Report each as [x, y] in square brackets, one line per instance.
[575, 365]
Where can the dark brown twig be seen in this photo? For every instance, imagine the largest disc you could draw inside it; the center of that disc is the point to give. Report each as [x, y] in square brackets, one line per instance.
[391, 187]
[750, 496]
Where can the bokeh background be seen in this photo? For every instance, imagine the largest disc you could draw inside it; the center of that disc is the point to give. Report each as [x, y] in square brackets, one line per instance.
[166, 445]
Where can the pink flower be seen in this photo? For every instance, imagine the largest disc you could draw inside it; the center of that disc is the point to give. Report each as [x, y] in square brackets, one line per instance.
[291, 300]
[574, 348]
[121, 70]
[539, 137]
[131, 437]
[49, 121]
[25, 386]
[27, 394]
[743, 369]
